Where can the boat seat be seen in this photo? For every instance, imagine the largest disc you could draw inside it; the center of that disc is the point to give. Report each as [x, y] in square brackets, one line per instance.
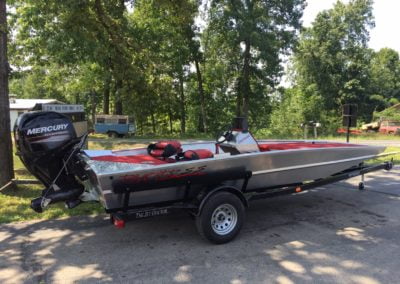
[164, 149]
[197, 154]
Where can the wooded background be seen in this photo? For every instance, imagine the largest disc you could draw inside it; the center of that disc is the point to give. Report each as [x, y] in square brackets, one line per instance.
[190, 66]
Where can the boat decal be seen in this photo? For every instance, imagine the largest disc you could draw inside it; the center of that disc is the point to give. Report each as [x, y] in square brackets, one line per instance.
[164, 175]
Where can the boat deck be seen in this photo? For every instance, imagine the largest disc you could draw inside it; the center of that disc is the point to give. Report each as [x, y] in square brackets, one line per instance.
[140, 156]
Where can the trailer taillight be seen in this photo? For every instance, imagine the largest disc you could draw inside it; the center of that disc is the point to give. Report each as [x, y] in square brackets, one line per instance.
[120, 224]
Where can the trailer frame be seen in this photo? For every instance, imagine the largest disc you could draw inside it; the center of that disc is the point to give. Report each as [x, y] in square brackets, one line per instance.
[120, 216]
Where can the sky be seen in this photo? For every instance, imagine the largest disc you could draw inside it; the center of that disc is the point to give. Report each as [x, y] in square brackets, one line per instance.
[387, 21]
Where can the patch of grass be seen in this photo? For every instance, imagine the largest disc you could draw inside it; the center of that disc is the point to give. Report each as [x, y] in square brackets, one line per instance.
[177, 135]
[114, 145]
[15, 202]
[395, 157]
[360, 137]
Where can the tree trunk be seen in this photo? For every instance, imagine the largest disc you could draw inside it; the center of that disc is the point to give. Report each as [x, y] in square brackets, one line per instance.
[201, 93]
[6, 154]
[93, 95]
[141, 126]
[182, 103]
[153, 122]
[118, 98]
[242, 106]
[171, 130]
[106, 95]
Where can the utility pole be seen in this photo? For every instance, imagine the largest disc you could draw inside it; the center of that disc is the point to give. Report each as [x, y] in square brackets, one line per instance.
[6, 154]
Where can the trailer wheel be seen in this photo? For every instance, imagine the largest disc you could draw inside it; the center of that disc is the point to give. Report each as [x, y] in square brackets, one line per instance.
[361, 186]
[221, 218]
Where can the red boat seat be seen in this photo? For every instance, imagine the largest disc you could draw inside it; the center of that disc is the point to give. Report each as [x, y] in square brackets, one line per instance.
[164, 149]
[197, 154]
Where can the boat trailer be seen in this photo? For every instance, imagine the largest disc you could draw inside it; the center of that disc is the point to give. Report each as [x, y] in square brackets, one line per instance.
[198, 207]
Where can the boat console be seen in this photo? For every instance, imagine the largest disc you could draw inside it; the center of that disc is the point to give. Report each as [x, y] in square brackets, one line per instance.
[238, 139]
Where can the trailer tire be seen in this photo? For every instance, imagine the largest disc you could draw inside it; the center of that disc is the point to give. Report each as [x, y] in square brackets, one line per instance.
[221, 218]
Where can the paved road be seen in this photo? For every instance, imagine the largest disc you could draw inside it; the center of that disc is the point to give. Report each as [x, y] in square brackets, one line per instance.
[336, 234]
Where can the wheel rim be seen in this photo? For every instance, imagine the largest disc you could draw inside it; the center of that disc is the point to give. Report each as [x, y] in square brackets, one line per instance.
[224, 219]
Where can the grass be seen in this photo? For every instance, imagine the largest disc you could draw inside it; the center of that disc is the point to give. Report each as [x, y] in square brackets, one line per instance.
[15, 203]
[15, 200]
[360, 137]
[396, 157]
[175, 135]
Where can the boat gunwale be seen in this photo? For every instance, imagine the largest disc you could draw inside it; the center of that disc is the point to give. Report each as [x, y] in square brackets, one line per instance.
[239, 156]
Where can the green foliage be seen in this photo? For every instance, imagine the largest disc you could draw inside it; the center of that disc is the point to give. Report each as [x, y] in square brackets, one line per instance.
[332, 54]
[247, 38]
[385, 78]
[151, 60]
[392, 113]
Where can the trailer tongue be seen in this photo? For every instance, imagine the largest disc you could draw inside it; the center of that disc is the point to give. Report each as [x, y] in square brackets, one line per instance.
[213, 181]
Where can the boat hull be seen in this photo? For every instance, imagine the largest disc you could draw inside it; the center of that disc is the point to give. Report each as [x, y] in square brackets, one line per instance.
[269, 169]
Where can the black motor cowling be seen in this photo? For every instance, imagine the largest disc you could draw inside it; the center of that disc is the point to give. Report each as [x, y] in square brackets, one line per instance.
[44, 141]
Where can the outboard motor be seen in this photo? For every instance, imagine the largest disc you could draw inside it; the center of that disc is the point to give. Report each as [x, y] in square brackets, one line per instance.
[46, 142]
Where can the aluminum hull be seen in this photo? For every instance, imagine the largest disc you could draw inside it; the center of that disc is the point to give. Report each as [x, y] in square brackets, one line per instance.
[269, 169]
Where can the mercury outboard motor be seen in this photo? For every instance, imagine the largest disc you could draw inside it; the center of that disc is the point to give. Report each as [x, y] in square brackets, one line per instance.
[46, 143]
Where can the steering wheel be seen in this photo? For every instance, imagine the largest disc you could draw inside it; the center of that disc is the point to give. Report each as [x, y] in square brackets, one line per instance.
[224, 136]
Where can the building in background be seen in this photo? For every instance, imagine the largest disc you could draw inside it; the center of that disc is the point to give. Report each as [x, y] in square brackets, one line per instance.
[19, 106]
[75, 112]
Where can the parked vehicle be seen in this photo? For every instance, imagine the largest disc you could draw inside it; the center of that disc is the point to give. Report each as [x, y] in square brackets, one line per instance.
[212, 180]
[114, 125]
[352, 131]
[390, 127]
[383, 125]
[371, 127]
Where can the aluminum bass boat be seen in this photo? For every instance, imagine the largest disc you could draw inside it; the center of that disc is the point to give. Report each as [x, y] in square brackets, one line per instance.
[212, 180]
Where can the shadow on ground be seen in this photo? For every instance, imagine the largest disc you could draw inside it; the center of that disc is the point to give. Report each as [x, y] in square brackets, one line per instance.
[335, 235]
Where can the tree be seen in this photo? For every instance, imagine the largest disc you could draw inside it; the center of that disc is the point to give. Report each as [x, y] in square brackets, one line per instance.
[333, 56]
[171, 23]
[71, 33]
[385, 79]
[6, 164]
[256, 33]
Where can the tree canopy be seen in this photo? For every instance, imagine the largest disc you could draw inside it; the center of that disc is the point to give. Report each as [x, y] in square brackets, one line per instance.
[191, 65]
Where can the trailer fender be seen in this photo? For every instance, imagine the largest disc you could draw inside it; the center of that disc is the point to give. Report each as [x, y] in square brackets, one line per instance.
[230, 189]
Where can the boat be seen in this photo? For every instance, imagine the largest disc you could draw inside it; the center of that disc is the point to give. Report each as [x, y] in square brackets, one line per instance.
[213, 180]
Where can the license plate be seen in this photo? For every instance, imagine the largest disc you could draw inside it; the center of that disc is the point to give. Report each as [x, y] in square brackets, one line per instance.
[151, 213]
